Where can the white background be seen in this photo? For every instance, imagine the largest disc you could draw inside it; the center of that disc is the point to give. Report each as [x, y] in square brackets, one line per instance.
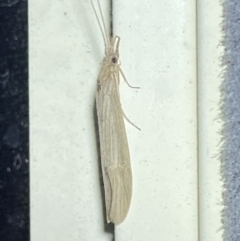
[158, 53]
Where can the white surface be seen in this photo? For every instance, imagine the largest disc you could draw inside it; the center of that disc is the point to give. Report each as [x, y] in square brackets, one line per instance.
[209, 80]
[158, 54]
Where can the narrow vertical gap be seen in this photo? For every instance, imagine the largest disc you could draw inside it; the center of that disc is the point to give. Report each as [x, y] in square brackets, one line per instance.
[111, 18]
[111, 35]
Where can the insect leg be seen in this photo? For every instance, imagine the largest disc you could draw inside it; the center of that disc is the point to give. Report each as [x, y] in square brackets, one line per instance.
[134, 87]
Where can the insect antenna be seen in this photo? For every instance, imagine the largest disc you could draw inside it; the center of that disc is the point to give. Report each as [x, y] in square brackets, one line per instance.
[103, 29]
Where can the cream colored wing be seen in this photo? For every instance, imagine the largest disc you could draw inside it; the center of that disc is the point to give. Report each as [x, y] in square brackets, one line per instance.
[115, 158]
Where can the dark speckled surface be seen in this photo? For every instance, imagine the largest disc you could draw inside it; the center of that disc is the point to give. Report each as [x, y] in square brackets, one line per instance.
[14, 122]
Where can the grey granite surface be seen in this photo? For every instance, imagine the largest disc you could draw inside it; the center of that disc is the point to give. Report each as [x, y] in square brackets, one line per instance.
[231, 117]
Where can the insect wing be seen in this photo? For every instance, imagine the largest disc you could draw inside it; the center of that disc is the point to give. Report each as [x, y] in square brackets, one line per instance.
[115, 157]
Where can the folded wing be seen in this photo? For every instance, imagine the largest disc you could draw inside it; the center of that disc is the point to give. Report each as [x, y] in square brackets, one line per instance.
[115, 157]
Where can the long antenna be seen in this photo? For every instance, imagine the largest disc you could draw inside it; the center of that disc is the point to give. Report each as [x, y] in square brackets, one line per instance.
[104, 25]
[105, 39]
[111, 18]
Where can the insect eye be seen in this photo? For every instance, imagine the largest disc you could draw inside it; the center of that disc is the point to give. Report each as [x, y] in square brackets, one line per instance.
[114, 60]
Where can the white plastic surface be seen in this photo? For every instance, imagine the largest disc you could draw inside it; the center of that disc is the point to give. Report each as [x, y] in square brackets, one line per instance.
[158, 53]
[210, 51]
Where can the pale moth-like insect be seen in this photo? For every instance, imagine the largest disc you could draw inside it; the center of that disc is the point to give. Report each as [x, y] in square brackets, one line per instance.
[115, 157]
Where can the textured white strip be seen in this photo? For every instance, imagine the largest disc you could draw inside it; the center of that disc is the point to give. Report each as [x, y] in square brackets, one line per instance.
[209, 80]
